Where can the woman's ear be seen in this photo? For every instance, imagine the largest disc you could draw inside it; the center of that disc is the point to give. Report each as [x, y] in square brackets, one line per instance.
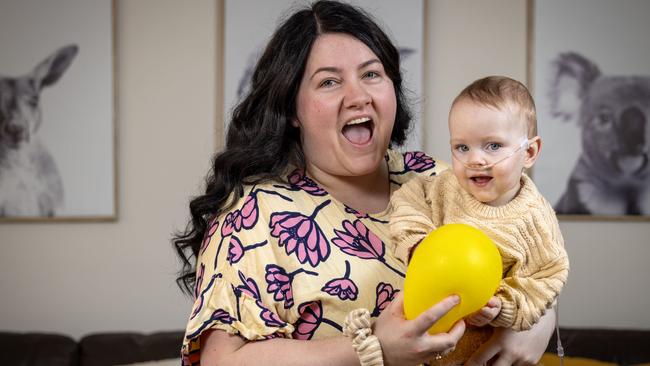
[532, 152]
[295, 123]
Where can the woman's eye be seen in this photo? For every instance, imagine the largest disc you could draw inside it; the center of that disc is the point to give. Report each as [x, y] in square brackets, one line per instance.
[371, 75]
[327, 83]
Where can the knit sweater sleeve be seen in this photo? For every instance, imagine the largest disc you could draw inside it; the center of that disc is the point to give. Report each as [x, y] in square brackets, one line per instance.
[533, 282]
[413, 216]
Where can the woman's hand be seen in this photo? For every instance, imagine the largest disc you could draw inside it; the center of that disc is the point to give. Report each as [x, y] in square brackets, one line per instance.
[509, 347]
[407, 342]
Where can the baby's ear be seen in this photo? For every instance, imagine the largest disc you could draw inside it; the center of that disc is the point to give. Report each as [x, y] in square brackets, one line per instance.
[532, 152]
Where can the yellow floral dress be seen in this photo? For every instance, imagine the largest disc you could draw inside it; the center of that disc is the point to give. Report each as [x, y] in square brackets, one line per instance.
[289, 260]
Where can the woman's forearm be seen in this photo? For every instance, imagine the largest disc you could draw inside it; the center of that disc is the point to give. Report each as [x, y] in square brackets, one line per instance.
[219, 348]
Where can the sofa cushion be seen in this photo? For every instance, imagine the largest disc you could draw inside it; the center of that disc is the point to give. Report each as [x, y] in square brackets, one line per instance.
[123, 348]
[37, 349]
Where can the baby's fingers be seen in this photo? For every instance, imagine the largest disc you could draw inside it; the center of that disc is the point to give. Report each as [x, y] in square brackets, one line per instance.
[477, 320]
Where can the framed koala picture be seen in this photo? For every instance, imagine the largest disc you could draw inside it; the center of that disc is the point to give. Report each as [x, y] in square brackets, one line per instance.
[57, 134]
[589, 71]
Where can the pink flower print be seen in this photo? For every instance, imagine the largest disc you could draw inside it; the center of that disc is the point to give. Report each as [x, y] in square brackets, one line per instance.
[385, 294]
[270, 318]
[301, 235]
[212, 228]
[344, 288]
[247, 216]
[248, 286]
[299, 180]
[360, 215]
[311, 316]
[249, 211]
[417, 161]
[279, 283]
[358, 241]
[236, 250]
[222, 316]
[231, 223]
[218, 315]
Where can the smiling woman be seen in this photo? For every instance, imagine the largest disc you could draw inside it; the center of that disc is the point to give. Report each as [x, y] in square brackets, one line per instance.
[346, 112]
[290, 241]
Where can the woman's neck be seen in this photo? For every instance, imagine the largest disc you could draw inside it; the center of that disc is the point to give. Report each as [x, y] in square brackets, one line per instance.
[367, 193]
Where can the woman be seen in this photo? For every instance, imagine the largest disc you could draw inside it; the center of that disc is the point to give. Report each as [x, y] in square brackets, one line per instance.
[290, 236]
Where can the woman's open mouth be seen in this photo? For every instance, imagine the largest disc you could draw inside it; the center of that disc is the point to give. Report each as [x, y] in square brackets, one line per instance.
[358, 131]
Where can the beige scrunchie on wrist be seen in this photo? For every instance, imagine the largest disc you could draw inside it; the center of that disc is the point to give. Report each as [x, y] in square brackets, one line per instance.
[358, 327]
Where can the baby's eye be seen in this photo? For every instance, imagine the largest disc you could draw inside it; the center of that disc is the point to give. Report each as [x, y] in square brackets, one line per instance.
[494, 146]
[461, 148]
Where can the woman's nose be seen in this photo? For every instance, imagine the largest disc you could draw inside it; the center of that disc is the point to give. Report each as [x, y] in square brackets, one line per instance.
[356, 95]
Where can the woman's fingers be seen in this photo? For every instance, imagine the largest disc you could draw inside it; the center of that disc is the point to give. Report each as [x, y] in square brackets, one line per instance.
[429, 317]
[457, 331]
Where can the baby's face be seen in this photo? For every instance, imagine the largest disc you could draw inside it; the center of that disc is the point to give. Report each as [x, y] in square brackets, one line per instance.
[486, 136]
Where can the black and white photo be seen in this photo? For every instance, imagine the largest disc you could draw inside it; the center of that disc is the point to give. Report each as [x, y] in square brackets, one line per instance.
[591, 81]
[57, 135]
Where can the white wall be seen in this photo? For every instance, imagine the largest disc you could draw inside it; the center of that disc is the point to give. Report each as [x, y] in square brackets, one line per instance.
[79, 278]
[610, 261]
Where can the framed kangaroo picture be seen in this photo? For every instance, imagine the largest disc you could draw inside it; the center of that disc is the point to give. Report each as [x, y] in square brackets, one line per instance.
[589, 71]
[57, 110]
[247, 32]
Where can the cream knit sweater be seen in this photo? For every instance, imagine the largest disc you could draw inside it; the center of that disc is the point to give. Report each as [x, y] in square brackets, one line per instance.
[526, 231]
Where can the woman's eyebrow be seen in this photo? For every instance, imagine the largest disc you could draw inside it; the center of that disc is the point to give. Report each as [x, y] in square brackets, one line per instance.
[337, 70]
[331, 69]
[369, 62]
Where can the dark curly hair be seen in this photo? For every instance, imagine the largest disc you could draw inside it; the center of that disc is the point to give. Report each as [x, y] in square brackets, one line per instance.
[261, 142]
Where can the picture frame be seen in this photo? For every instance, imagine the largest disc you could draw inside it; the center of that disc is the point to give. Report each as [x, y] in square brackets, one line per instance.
[57, 73]
[589, 72]
[246, 33]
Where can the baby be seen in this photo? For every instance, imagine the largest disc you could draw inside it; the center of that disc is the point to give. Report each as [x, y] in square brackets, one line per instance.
[493, 130]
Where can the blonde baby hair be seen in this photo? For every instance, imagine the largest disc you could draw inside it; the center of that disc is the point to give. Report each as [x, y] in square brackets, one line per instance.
[503, 93]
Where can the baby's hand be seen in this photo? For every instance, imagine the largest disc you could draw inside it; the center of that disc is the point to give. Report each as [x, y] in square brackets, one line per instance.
[486, 314]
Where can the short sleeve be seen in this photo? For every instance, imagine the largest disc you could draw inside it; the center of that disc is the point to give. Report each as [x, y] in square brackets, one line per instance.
[231, 286]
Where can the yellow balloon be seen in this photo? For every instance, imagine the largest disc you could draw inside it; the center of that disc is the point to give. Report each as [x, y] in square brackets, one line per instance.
[454, 259]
